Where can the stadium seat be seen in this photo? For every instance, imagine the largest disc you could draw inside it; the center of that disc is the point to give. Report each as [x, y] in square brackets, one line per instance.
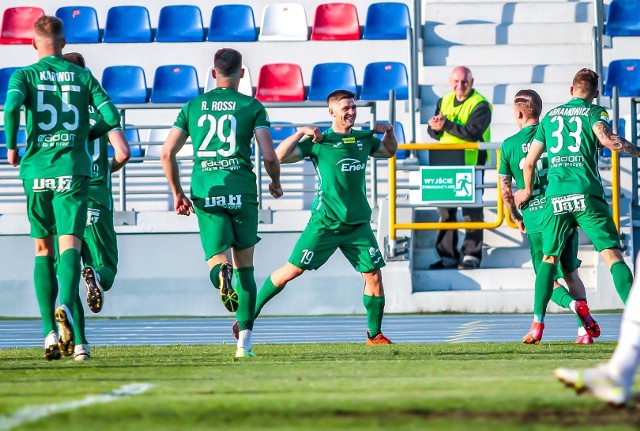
[399, 129]
[388, 20]
[380, 77]
[125, 84]
[336, 21]
[624, 74]
[5, 74]
[280, 82]
[127, 24]
[281, 130]
[232, 23]
[623, 18]
[17, 25]
[246, 85]
[180, 23]
[175, 83]
[283, 21]
[80, 24]
[327, 77]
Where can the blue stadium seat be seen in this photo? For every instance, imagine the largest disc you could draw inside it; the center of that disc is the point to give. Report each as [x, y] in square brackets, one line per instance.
[232, 23]
[400, 154]
[180, 23]
[327, 77]
[80, 24]
[5, 74]
[624, 74]
[380, 77]
[127, 24]
[175, 83]
[388, 20]
[22, 140]
[281, 130]
[623, 18]
[125, 84]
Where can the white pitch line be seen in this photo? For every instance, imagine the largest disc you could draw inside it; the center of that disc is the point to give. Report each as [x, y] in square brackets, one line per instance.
[35, 413]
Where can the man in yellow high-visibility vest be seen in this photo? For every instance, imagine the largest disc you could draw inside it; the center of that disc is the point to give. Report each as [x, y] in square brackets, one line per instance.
[462, 115]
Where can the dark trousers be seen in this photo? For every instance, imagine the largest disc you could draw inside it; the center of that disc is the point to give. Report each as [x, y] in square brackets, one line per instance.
[447, 240]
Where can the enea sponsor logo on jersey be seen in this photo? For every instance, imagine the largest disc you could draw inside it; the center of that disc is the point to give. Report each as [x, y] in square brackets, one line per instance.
[231, 164]
[351, 165]
[58, 184]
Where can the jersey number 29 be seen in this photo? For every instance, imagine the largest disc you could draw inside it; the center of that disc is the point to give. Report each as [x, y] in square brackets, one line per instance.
[217, 130]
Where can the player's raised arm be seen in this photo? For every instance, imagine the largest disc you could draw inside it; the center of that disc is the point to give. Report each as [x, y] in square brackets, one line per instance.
[389, 142]
[175, 141]
[122, 151]
[270, 160]
[614, 142]
[288, 151]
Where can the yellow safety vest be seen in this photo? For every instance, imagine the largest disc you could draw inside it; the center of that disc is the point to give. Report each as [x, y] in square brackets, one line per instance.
[460, 115]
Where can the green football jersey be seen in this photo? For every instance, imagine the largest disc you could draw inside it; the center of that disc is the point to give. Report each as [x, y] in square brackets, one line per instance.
[341, 162]
[567, 134]
[57, 96]
[221, 124]
[100, 184]
[512, 154]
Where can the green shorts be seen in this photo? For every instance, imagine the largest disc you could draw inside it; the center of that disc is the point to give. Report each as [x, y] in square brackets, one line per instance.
[319, 240]
[100, 246]
[57, 205]
[569, 261]
[591, 213]
[226, 222]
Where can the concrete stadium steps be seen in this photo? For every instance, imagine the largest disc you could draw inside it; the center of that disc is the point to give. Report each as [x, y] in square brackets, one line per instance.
[504, 55]
[507, 12]
[436, 34]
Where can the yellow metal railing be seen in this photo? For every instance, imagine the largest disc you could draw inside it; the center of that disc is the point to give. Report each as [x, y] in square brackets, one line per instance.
[394, 226]
[501, 212]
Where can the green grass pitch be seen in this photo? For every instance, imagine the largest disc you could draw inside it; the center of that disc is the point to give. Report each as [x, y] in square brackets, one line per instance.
[466, 386]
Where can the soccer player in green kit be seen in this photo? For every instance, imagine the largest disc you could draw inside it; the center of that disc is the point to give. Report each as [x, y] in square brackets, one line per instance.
[55, 170]
[340, 215]
[527, 107]
[100, 245]
[224, 196]
[575, 197]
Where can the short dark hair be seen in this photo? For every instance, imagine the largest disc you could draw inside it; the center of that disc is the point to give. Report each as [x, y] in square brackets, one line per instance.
[75, 58]
[586, 82]
[227, 62]
[337, 95]
[529, 101]
[49, 26]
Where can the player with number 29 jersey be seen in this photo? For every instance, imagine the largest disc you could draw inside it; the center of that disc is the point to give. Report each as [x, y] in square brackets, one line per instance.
[221, 123]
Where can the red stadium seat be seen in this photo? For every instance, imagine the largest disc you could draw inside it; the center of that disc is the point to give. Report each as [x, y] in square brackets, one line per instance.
[336, 21]
[17, 25]
[280, 82]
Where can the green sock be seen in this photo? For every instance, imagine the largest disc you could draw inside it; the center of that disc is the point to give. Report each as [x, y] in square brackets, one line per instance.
[69, 278]
[375, 309]
[46, 284]
[561, 296]
[214, 275]
[107, 276]
[622, 279]
[268, 291]
[246, 289]
[543, 289]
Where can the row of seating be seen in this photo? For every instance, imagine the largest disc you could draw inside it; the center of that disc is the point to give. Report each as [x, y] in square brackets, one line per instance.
[232, 22]
[139, 150]
[623, 18]
[278, 82]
